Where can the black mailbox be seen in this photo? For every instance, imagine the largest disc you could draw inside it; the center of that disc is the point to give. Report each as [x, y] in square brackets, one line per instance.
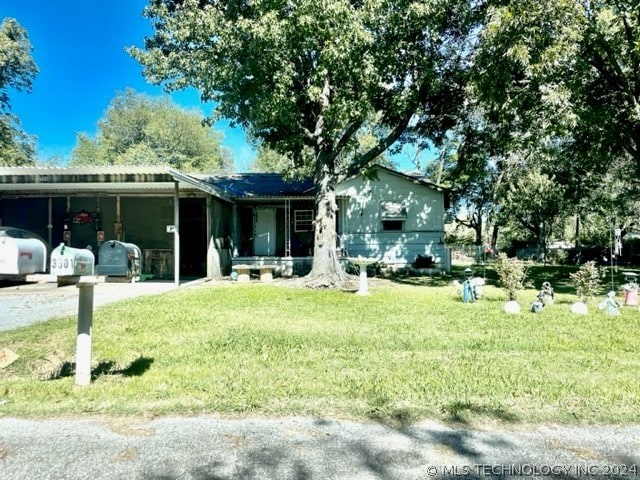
[119, 259]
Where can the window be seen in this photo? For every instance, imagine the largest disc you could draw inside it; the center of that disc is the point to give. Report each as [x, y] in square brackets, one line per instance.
[393, 215]
[392, 225]
[303, 220]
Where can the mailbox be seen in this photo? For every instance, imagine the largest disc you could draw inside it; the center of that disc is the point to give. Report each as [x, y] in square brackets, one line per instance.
[21, 253]
[119, 259]
[68, 261]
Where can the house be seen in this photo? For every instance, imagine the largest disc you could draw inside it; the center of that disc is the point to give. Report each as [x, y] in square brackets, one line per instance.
[394, 217]
[195, 225]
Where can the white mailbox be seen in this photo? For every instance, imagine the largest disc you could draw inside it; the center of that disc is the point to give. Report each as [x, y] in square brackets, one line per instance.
[68, 261]
[21, 253]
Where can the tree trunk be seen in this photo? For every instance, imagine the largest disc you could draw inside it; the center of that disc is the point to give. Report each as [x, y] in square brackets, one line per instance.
[326, 271]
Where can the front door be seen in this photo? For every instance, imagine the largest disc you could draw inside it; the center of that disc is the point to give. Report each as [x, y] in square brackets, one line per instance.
[264, 243]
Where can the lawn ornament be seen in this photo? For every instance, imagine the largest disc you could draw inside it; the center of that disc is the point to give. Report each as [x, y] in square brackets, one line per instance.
[512, 307]
[546, 295]
[538, 305]
[630, 288]
[610, 304]
[579, 308]
[468, 288]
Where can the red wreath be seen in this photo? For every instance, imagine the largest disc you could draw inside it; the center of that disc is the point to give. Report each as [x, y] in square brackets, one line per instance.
[82, 217]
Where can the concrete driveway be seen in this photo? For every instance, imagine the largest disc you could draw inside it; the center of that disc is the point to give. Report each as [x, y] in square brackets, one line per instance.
[28, 303]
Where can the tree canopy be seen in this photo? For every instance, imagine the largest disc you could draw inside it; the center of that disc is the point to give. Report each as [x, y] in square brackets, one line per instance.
[17, 71]
[554, 94]
[141, 130]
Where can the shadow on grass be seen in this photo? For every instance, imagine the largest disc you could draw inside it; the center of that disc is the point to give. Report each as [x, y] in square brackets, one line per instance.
[68, 369]
[460, 413]
[537, 274]
[136, 368]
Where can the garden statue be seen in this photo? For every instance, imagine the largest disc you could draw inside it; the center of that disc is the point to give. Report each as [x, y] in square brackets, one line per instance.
[546, 295]
[538, 305]
[468, 288]
[630, 288]
[610, 304]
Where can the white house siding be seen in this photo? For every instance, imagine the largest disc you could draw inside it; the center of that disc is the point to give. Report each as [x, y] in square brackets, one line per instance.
[361, 223]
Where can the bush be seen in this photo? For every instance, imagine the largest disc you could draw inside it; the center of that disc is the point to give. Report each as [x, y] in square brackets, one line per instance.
[511, 274]
[423, 261]
[587, 280]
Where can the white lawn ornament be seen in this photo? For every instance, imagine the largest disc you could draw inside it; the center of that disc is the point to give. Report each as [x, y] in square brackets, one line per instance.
[512, 307]
[579, 308]
[478, 283]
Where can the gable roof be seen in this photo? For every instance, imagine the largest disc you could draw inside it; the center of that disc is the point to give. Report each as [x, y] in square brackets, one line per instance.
[413, 176]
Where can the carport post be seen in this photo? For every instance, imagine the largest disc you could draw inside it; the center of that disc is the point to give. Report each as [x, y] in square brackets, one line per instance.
[176, 234]
[83, 342]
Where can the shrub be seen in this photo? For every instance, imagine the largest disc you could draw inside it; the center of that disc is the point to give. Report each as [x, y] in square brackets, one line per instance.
[587, 280]
[423, 261]
[511, 274]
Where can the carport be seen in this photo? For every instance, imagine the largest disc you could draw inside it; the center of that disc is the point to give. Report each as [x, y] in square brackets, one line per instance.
[84, 207]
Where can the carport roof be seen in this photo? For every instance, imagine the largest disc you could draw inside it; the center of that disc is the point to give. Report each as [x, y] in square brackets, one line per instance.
[109, 180]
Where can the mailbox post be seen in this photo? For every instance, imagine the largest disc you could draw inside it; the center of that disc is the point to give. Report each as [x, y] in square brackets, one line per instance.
[72, 265]
[85, 324]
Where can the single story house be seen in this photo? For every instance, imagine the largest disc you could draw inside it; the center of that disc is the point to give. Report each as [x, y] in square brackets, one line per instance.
[195, 225]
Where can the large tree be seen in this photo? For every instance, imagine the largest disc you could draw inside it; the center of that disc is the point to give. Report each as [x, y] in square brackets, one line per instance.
[141, 130]
[564, 76]
[309, 77]
[17, 71]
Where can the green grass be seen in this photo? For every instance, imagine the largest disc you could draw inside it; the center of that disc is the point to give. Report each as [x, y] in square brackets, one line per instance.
[404, 353]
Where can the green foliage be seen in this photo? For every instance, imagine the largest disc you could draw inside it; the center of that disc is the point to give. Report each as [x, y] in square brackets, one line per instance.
[534, 203]
[562, 75]
[306, 77]
[587, 280]
[17, 71]
[511, 273]
[141, 130]
[270, 161]
[16, 147]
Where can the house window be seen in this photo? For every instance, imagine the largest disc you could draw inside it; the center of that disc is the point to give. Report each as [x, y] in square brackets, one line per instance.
[303, 220]
[392, 225]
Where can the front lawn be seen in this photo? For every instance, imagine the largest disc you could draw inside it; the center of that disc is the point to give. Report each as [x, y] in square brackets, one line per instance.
[404, 353]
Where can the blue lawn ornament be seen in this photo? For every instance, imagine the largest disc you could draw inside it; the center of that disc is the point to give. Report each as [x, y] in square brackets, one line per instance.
[538, 305]
[468, 291]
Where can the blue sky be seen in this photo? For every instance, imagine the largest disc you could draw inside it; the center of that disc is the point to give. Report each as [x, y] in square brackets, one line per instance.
[79, 47]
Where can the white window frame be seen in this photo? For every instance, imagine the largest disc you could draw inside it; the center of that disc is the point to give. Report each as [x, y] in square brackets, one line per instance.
[302, 220]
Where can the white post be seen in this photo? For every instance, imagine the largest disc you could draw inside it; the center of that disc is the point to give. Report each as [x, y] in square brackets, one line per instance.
[363, 286]
[176, 234]
[83, 343]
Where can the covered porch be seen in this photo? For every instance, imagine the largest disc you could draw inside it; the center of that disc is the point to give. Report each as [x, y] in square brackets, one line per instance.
[277, 232]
